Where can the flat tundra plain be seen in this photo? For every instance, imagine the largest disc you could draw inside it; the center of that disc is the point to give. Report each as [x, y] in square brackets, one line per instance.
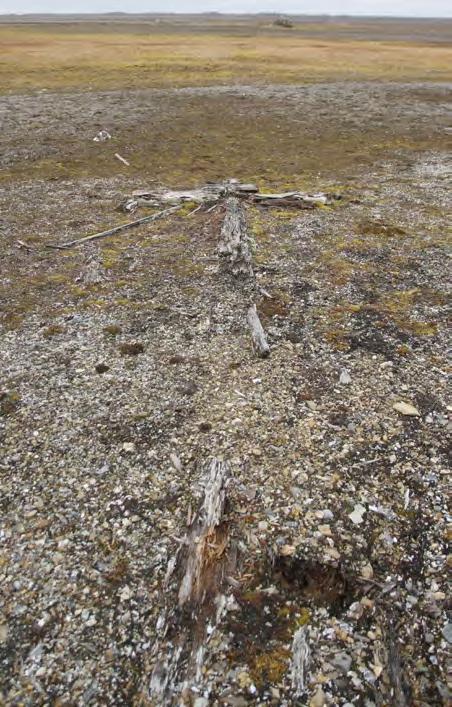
[130, 390]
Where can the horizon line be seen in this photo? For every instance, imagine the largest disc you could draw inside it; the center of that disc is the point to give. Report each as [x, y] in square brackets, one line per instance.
[109, 13]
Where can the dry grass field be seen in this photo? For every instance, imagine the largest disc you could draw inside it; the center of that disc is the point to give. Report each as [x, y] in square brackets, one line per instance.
[126, 363]
[79, 56]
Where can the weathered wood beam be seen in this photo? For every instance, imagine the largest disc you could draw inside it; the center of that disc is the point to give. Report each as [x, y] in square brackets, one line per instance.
[234, 239]
[187, 624]
[300, 661]
[205, 545]
[257, 332]
[292, 196]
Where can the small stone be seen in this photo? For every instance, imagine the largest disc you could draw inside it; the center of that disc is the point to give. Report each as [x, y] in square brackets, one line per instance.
[325, 530]
[356, 516]
[287, 550]
[125, 593]
[128, 446]
[447, 632]
[42, 523]
[201, 702]
[263, 525]
[244, 679]
[256, 452]
[345, 377]
[342, 661]
[176, 462]
[406, 409]
[3, 633]
[355, 611]
[319, 699]
[333, 553]
[367, 571]
[237, 701]
[311, 405]
[101, 368]
[439, 596]
[377, 670]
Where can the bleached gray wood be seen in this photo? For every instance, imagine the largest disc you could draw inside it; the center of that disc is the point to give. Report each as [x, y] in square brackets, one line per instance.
[295, 196]
[234, 239]
[395, 671]
[202, 558]
[203, 531]
[300, 661]
[257, 333]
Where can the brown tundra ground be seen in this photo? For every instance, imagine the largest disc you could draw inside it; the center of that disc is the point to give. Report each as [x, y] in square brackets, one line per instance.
[126, 363]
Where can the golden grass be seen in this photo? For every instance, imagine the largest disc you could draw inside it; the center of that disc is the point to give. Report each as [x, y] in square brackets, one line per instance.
[36, 58]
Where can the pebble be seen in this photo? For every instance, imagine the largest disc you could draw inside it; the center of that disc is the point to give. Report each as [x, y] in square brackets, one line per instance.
[201, 702]
[244, 679]
[342, 661]
[176, 462]
[125, 593]
[447, 632]
[367, 571]
[237, 701]
[345, 377]
[356, 516]
[406, 409]
[318, 699]
[325, 529]
[287, 550]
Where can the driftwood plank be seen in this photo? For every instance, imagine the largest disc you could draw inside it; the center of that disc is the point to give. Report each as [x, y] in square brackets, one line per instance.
[395, 671]
[204, 543]
[202, 562]
[285, 202]
[234, 239]
[300, 661]
[293, 196]
[257, 332]
[215, 192]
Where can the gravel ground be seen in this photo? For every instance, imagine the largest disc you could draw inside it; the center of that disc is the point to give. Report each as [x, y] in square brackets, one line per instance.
[131, 366]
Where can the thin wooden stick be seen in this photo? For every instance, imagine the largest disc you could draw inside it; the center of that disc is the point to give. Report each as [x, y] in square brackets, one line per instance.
[121, 159]
[117, 229]
[195, 210]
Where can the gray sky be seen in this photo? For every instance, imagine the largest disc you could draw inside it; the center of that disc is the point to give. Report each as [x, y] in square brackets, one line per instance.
[414, 8]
